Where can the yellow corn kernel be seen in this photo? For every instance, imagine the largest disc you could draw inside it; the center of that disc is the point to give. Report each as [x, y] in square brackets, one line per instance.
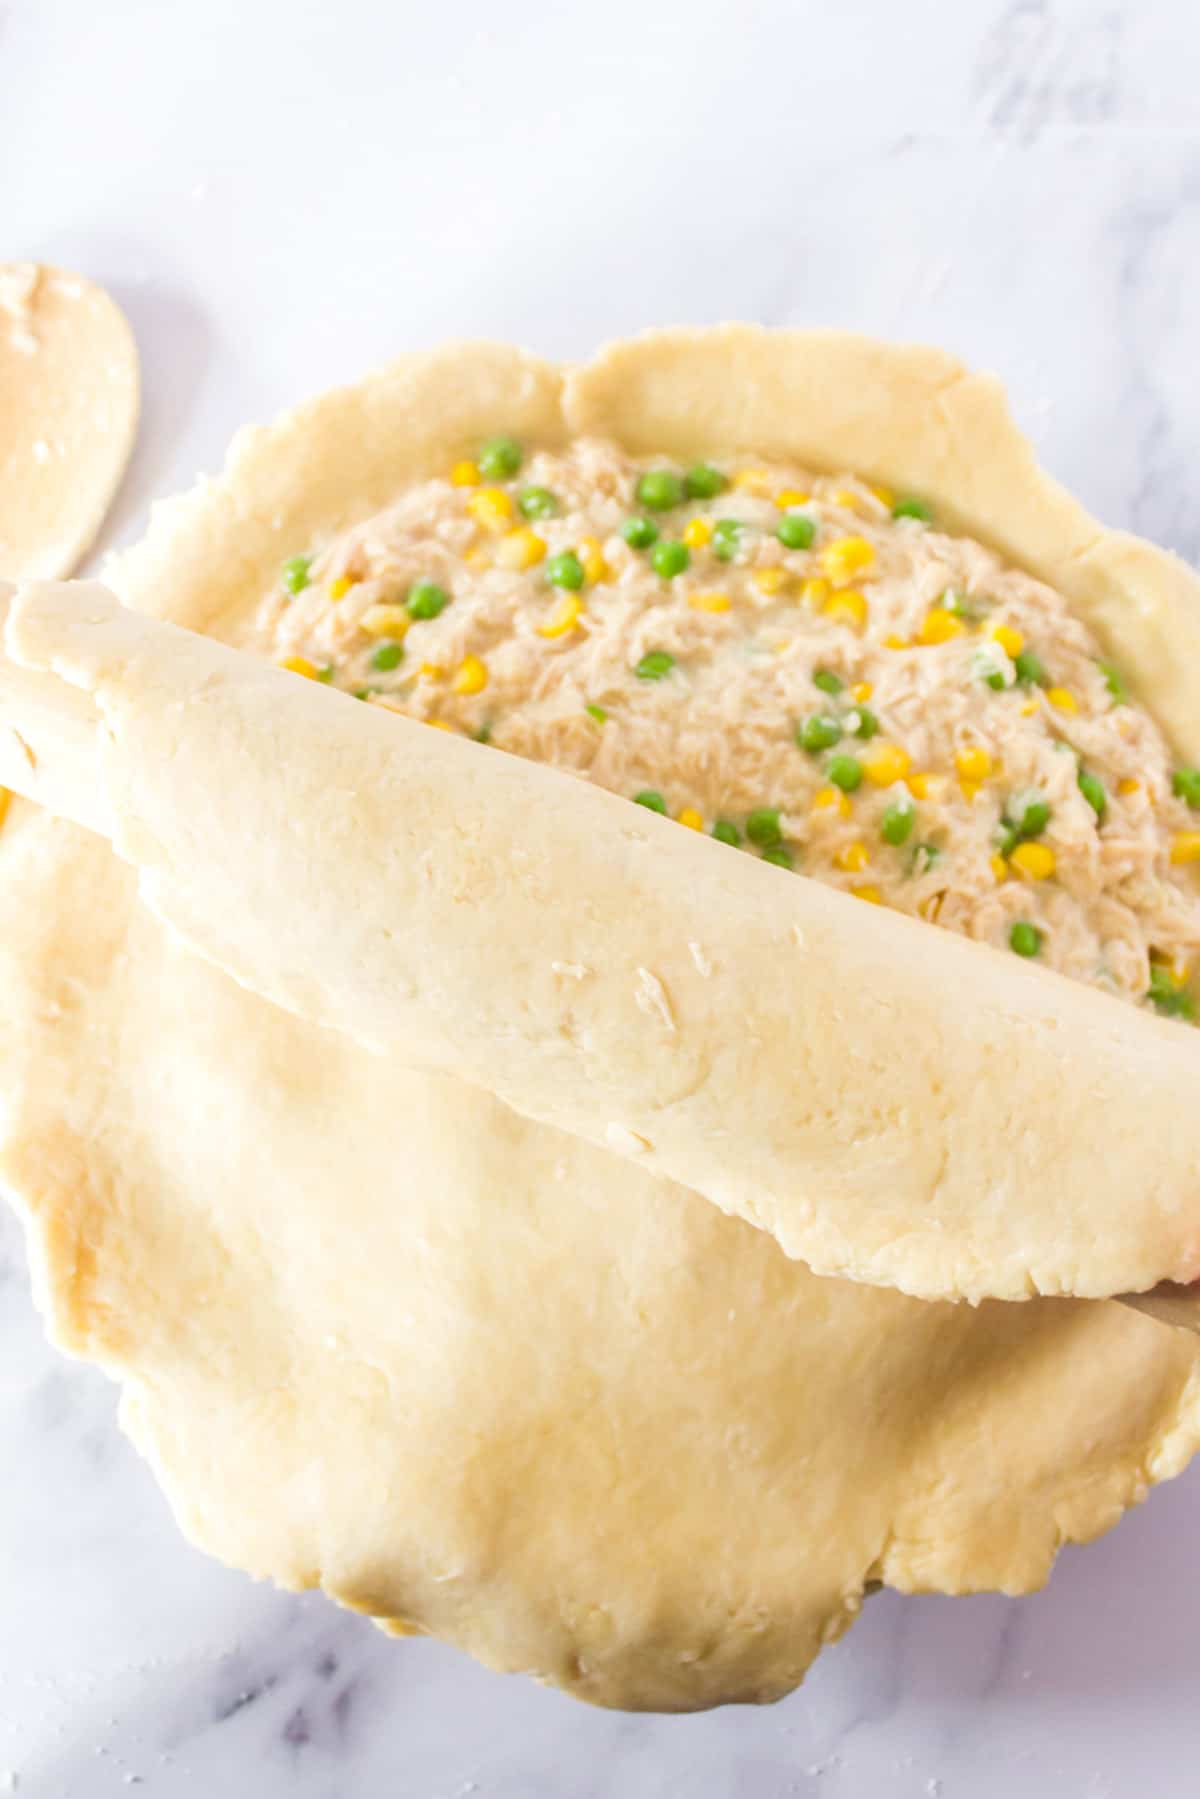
[832, 797]
[5, 803]
[815, 592]
[1011, 641]
[1185, 846]
[861, 692]
[465, 474]
[1037, 862]
[925, 786]
[1063, 698]
[691, 818]
[438, 724]
[791, 496]
[853, 858]
[753, 480]
[564, 617]
[770, 580]
[709, 602]
[491, 507]
[592, 557]
[340, 588]
[431, 671]
[1128, 786]
[477, 558]
[970, 789]
[848, 605]
[973, 762]
[385, 621]
[847, 557]
[892, 642]
[999, 866]
[472, 676]
[872, 895]
[522, 548]
[939, 626]
[300, 665]
[886, 763]
[883, 494]
[846, 496]
[1029, 708]
[697, 532]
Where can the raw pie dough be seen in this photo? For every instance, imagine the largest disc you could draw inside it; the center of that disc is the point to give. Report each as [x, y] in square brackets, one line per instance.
[471, 1374]
[69, 397]
[891, 1102]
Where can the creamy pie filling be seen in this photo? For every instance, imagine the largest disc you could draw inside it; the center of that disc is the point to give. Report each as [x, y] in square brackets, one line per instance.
[802, 665]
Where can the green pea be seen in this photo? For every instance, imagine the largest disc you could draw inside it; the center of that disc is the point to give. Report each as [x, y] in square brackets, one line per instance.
[639, 533]
[827, 681]
[763, 827]
[1114, 682]
[727, 538]
[565, 571]
[295, 573]
[1006, 838]
[659, 489]
[1027, 812]
[388, 655]
[426, 599]
[484, 733]
[820, 732]
[500, 458]
[1092, 789]
[653, 801]
[725, 831]
[703, 481]
[596, 712]
[1031, 671]
[1186, 783]
[795, 531]
[845, 772]
[669, 558]
[1025, 938]
[910, 508]
[925, 857]
[863, 722]
[896, 825]
[654, 665]
[1171, 1001]
[537, 502]
[364, 693]
[779, 854]
[325, 673]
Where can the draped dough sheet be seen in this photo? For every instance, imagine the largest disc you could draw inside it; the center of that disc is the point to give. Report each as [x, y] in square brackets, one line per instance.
[891, 1102]
[470, 1373]
[477, 1378]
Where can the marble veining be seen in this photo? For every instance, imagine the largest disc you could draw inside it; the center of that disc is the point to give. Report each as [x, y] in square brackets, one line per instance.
[282, 195]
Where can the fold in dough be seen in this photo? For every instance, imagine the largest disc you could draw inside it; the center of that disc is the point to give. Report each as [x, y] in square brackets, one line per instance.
[892, 1102]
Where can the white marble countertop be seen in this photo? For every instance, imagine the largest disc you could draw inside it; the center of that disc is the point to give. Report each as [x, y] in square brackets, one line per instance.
[282, 194]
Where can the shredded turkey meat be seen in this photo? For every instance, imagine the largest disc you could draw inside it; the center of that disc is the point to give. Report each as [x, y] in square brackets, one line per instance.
[800, 664]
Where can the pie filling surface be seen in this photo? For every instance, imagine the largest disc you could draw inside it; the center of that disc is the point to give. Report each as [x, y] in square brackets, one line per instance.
[802, 665]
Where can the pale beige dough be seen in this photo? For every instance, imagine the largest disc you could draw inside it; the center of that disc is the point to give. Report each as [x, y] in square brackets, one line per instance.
[807, 1064]
[378, 1333]
[69, 399]
[471, 1374]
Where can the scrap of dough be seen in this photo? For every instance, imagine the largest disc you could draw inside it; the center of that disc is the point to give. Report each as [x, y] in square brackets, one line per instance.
[69, 396]
[477, 1378]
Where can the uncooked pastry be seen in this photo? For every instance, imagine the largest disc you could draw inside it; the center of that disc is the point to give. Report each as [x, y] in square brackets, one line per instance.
[811, 1068]
[68, 416]
[473, 1375]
